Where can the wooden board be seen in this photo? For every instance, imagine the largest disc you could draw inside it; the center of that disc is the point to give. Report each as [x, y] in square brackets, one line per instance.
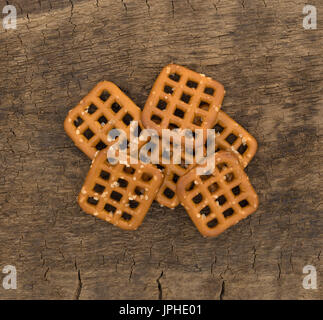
[272, 70]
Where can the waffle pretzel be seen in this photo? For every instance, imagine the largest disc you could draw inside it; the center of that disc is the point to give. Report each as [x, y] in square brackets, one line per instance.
[181, 98]
[120, 194]
[166, 195]
[106, 107]
[217, 201]
[230, 136]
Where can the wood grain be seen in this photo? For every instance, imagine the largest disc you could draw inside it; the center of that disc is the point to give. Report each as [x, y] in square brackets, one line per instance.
[272, 70]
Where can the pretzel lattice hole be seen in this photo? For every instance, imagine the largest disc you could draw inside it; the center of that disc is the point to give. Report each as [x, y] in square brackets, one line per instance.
[186, 98]
[221, 166]
[205, 211]
[161, 105]
[156, 119]
[198, 120]
[100, 146]
[122, 183]
[198, 199]
[146, 177]
[209, 91]
[236, 190]
[92, 108]
[104, 96]
[213, 187]
[221, 200]
[126, 216]
[229, 177]
[92, 201]
[98, 188]
[127, 119]
[103, 121]
[115, 107]
[231, 138]
[88, 133]
[173, 126]
[205, 177]
[243, 203]
[169, 193]
[191, 84]
[242, 149]
[218, 128]
[133, 204]
[105, 175]
[190, 186]
[116, 196]
[179, 113]
[204, 105]
[129, 170]
[174, 76]
[175, 178]
[160, 167]
[78, 121]
[109, 208]
[168, 89]
[139, 191]
[212, 224]
[228, 213]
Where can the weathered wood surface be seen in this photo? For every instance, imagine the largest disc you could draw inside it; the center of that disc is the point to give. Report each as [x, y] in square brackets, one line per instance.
[272, 70]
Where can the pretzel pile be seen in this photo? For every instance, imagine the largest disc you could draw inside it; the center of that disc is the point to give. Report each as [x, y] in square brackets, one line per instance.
[121, 192]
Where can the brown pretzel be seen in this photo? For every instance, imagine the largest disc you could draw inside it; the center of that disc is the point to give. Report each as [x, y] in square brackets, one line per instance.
[120, 194]
[166, 195]
[219, 200]
[181, 98]
[229, 136]
[106, 107]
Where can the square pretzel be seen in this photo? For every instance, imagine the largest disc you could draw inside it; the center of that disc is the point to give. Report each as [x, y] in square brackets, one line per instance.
[120, 194]
[231, 136]
[218, 200]
[105, 108]
[184, 99]
[166, 195]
